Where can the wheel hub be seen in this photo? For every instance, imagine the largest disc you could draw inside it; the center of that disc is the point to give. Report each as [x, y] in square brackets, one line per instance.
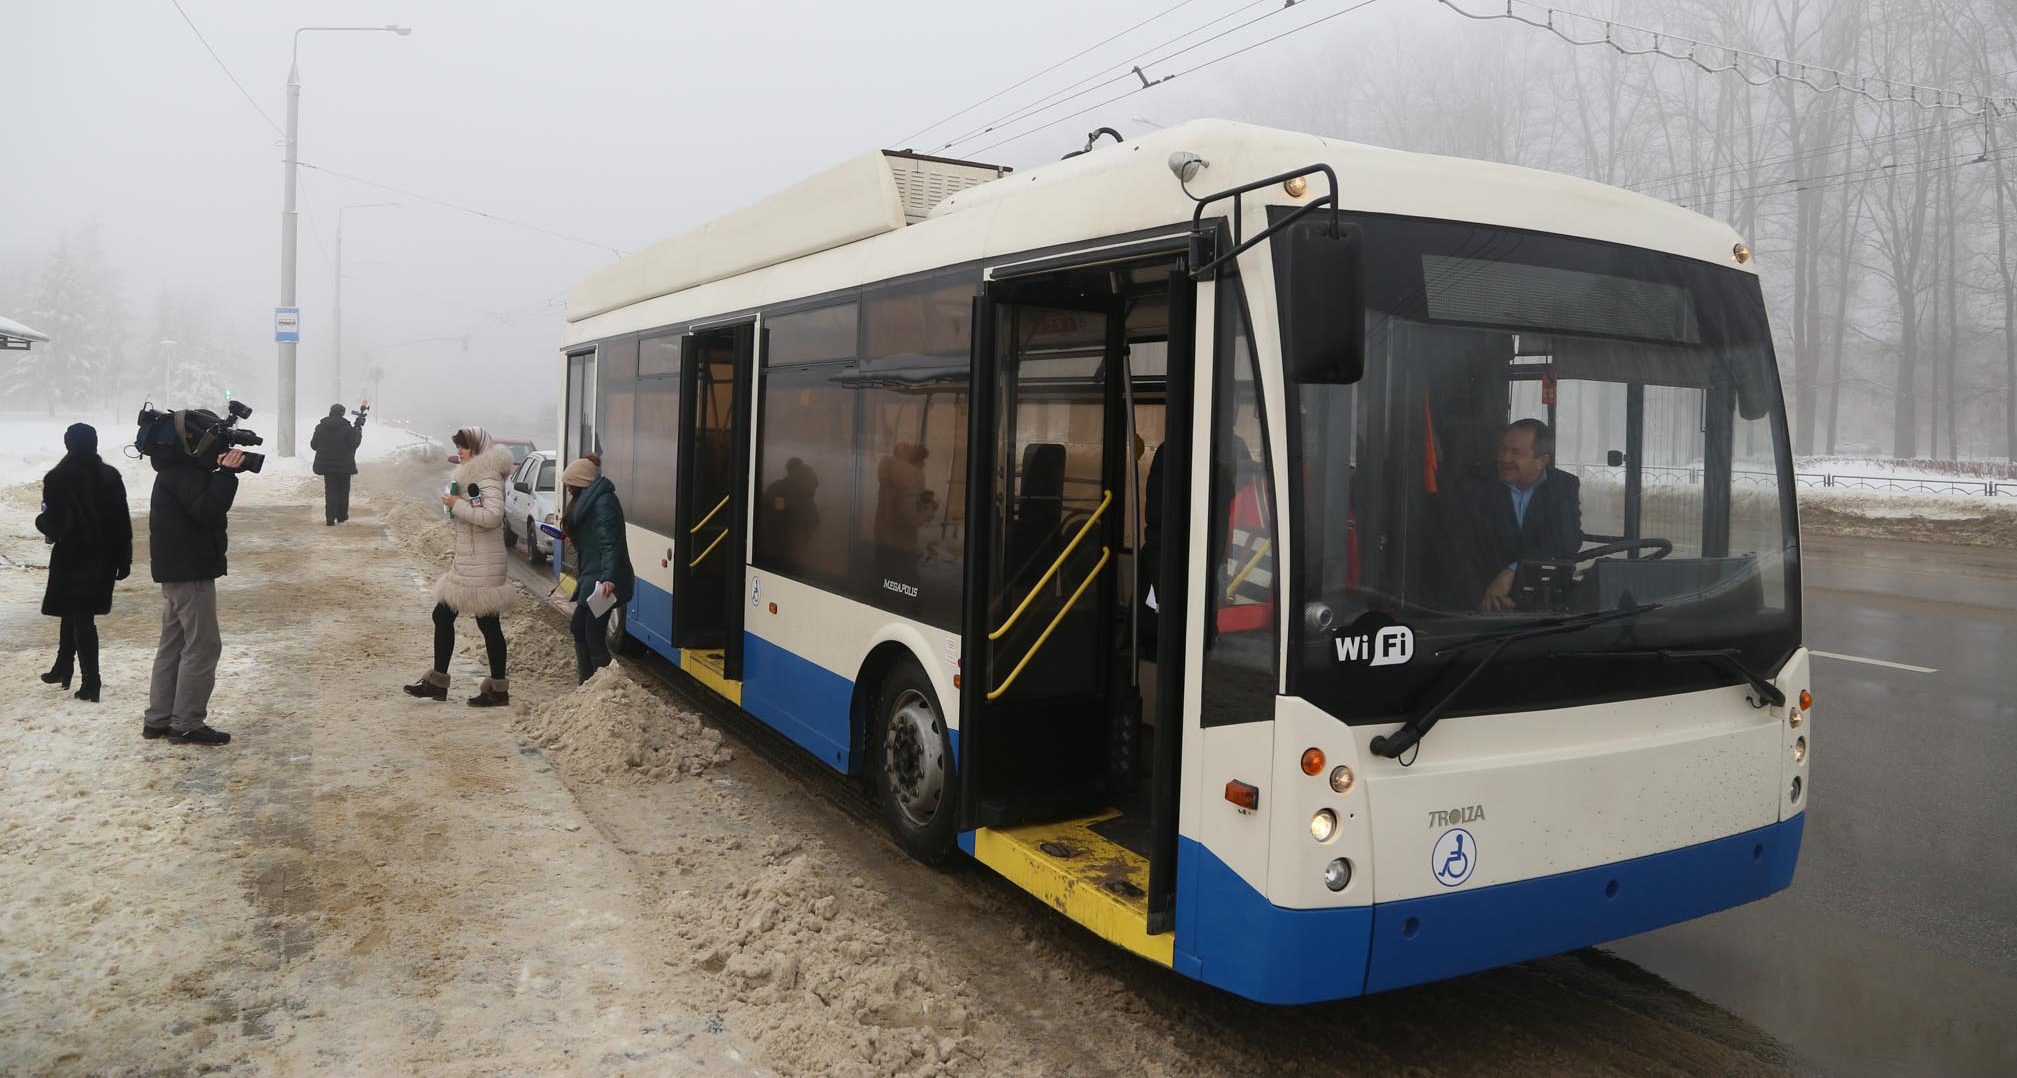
[914, 757]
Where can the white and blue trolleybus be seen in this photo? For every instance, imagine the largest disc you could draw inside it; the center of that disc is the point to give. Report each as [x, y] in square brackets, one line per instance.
[1314, 568]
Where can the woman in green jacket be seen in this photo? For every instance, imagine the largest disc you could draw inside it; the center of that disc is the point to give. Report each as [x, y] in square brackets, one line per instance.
[592, 519]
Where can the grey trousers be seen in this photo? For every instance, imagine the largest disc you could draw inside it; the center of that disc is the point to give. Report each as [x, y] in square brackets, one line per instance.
[185, 663]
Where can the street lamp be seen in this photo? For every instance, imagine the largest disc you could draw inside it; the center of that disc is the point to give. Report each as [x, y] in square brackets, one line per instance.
[288, 215]
[336, 318]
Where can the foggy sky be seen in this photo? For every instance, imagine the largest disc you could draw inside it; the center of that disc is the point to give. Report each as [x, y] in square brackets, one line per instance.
[621, 123]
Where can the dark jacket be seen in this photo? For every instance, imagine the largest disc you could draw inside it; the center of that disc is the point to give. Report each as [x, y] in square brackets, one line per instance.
[1494, 537]
[84, 513]
[335, 444]
[186, 521]
[595, 527]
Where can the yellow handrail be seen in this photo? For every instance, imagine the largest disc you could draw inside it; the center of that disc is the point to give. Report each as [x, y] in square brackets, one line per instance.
[1239, 578]
[695, 530]
[709, 550]
[1052, 571]
[1105, 553]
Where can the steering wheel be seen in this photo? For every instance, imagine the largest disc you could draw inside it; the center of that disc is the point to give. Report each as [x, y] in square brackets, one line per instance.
[1660, 547]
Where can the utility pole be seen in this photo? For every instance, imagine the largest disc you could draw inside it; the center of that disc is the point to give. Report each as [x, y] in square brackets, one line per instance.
[288, 214]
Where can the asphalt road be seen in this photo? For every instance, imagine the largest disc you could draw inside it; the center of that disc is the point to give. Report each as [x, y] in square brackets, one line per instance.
[1895, 950]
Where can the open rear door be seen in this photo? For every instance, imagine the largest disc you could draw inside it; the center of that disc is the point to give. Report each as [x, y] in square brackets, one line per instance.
[711, 505]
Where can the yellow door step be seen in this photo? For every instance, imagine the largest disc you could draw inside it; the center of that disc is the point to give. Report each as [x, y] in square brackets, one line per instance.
[709, 668]
[1089, 877]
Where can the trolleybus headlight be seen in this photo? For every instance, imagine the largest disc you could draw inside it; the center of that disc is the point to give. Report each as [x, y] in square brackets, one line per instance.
[1313, 760]
[1323, 825]
[1338, 874]
[1341, 779]
[1800, 751]
[1794, 795]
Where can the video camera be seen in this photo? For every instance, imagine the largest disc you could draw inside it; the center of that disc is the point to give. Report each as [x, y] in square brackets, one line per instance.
[197, 435]
[361, 410]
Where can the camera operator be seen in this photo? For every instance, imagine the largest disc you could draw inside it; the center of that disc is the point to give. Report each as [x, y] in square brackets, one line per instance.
[335, 444]
[186, 543]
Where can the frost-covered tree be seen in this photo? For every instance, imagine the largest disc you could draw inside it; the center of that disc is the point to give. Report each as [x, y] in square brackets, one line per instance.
[191, 360]
[77, 303]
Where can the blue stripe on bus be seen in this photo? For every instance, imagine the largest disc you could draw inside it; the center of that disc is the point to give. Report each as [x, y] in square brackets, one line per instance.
[649, 617]
[1230, 936]
[800, 699]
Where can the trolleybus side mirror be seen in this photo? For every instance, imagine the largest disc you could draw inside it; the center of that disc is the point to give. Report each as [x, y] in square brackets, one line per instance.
[1322, 296]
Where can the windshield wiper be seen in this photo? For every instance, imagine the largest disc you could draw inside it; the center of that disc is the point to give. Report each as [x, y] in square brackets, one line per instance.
[1728, 658]
[1411, 732]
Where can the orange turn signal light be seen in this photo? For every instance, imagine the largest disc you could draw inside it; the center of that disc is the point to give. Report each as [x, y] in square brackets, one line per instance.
[773, 608]
[1313, 760]
[1244, 795]
[1806, 700]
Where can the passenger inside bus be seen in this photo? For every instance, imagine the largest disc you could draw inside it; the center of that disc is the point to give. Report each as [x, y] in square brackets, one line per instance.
[1529, 510]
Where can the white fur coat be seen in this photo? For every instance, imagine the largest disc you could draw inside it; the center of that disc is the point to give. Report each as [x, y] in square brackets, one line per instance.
[475, 583]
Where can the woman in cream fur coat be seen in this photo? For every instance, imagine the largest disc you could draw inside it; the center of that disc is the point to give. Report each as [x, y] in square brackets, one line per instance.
[475, 583]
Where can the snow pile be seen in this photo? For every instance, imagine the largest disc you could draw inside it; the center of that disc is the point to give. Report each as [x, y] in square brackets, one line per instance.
[1915, 517]
[611, 726]
[420, 529]
[537, 646]
[836, 985]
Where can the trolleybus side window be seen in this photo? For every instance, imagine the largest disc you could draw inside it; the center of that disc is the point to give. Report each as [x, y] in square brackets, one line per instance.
[618, 382]
[1241, 652]
[910, 468]
[655, 461]
[805, 485]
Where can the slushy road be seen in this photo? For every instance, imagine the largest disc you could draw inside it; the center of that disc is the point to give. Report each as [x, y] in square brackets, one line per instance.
[1895, 950]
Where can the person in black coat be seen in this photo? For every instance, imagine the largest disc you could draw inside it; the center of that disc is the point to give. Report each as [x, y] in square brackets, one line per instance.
[335, 444]
[84, 515]
[187, 520]
[1531, 511]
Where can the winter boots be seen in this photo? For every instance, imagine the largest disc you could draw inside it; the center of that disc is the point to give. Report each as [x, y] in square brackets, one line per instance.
[431, 686]
[495, 692]
[585, 665]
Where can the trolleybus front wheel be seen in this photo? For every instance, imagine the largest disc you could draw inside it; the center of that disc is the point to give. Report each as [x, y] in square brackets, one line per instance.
[911, 765]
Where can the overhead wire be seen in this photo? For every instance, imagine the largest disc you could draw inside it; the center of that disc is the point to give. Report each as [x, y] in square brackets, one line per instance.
[1629, 40]
[1032, 78]
[444, 203]
[1128, 68]
[205, 42]
[1186, 71]
[1847, 178]
[1679, 178]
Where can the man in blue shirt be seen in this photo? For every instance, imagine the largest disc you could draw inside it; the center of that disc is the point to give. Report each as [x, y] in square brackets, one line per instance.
[1530, 512]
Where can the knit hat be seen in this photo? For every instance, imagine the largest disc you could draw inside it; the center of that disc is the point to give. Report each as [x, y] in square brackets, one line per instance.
[581, 473]
[81, 438]
[336, 411]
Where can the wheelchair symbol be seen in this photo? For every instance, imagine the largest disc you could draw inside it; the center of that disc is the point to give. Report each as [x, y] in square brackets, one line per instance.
[1455, 857]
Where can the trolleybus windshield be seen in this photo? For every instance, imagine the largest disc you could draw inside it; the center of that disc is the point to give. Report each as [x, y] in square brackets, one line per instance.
[1547, 426]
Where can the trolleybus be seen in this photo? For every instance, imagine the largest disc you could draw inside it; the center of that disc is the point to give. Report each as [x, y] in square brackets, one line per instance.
[1314, 568]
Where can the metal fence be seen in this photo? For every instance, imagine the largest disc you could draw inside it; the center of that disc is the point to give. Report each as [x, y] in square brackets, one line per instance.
[1666, 475]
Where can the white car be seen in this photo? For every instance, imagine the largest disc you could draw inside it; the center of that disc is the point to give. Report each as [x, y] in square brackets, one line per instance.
[530, 497]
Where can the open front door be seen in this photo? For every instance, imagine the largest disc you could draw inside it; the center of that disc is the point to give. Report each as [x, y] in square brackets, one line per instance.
[713, 489]
[1067, 780]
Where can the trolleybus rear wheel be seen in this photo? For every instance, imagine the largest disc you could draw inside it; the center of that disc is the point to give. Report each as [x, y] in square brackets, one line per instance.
[911, 766]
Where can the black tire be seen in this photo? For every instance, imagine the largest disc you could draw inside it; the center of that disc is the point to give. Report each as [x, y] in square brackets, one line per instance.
[618, 636]
[907, 747]
[510, 540]
[533, 554]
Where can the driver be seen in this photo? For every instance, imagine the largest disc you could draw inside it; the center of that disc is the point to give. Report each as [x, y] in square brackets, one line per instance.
[1531, 511]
